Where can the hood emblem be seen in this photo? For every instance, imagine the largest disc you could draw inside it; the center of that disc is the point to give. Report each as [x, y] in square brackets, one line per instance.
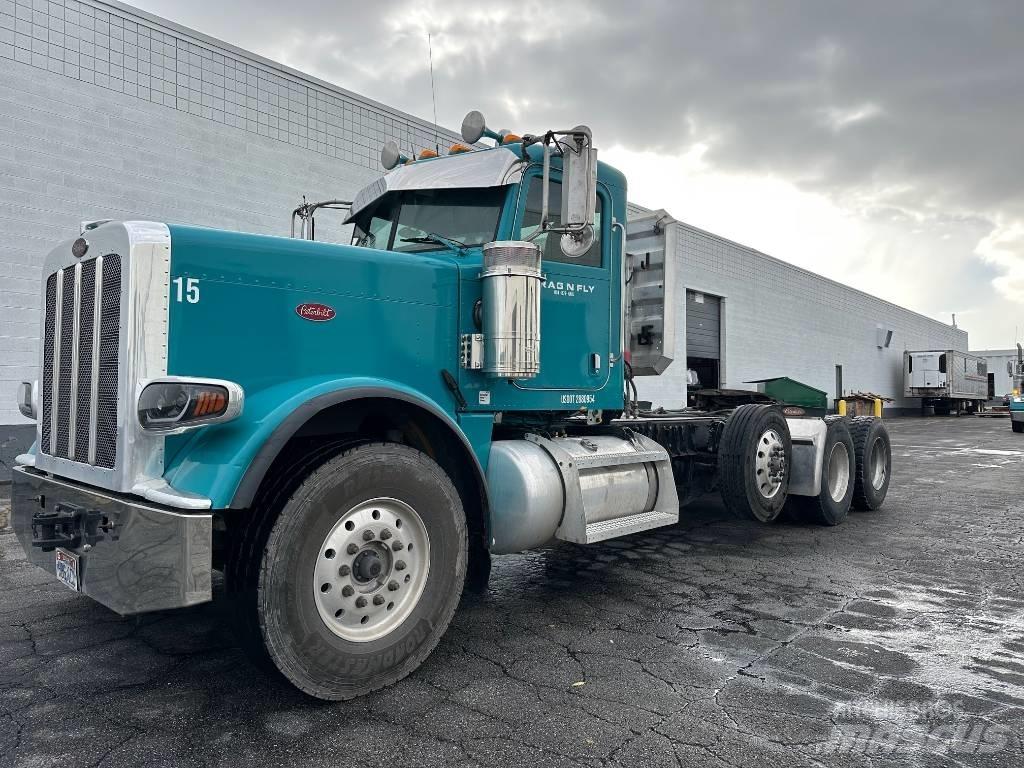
[318, 313]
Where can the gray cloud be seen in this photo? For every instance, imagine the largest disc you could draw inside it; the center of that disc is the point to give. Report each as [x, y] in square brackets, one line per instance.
[910, 109]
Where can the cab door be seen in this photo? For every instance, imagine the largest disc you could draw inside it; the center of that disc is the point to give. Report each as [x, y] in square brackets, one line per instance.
[576, 310]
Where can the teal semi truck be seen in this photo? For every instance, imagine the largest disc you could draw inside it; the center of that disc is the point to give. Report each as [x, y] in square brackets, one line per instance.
[349, 431]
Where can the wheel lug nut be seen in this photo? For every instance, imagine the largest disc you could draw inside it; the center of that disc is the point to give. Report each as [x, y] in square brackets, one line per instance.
[392, 586]
[385, 535]
[347, 590]
[378, 599]
[400, 565]
[361, 602]
[344, 570]
[398, 546]
[352, 548]
[367, 535]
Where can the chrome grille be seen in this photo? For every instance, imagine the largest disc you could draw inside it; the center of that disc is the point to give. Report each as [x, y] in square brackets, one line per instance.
[80, 362]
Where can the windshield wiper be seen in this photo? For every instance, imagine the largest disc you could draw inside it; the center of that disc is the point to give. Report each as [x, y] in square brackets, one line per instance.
[431, 237]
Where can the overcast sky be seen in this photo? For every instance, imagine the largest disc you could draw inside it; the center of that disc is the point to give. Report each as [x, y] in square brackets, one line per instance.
[878, 143]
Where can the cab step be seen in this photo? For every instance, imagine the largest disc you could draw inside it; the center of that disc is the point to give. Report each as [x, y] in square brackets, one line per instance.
[623, 526]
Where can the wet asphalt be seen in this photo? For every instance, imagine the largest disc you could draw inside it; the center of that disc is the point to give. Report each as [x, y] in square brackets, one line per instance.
[894, 639]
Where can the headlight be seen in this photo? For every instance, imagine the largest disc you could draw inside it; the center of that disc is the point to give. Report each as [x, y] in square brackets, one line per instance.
[174, 405]
[27, 399]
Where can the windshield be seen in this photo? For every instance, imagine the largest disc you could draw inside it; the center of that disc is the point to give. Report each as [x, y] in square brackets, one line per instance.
[467, 216]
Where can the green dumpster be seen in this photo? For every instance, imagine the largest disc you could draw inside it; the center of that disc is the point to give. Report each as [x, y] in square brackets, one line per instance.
[792, 392]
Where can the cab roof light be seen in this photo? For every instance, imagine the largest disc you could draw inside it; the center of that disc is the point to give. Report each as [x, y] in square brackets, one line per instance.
[426, 154]
[510, 138]
[458, 149]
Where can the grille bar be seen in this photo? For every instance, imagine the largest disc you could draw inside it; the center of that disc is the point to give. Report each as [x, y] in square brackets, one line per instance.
[46, 422]
[75, 330]
[55, 376]
[94, 362]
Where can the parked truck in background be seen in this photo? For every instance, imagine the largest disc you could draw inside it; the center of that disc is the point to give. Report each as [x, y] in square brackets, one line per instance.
[1016, 370]
[947, 381]
[346, 431]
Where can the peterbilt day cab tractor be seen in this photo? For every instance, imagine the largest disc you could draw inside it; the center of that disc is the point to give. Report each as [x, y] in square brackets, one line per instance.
[346, 431]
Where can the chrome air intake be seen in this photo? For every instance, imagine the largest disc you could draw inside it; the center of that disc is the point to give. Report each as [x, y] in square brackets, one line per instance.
[511, 286]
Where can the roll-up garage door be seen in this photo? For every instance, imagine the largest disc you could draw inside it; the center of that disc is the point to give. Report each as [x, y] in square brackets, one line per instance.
[703, 325]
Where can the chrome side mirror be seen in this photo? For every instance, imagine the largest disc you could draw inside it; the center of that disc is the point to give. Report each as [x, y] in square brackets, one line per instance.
[579, 191]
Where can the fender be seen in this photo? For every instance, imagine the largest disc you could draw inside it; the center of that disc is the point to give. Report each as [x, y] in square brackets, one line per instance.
[228, 462]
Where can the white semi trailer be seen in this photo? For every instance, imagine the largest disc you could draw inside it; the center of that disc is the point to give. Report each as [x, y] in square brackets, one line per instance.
[946, 380]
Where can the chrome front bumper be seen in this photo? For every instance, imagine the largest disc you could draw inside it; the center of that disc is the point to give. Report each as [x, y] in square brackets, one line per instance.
[133, 557]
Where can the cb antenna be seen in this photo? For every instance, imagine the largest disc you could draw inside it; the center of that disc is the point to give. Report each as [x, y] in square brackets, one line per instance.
[433, 96]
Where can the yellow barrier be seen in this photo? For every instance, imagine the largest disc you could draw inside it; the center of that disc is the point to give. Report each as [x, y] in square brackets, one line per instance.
[878, 408]
[841, 408]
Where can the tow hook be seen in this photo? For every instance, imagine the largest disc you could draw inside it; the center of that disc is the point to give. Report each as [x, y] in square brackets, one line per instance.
[70, 526]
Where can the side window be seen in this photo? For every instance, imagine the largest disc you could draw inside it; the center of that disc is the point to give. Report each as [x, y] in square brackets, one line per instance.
[549, 245]
[942, 363]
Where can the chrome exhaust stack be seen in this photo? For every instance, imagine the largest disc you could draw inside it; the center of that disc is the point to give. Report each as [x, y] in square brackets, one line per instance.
[511, 288]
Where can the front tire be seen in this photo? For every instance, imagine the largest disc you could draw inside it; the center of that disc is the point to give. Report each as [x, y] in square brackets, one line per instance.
[362, 571]
[753, 462]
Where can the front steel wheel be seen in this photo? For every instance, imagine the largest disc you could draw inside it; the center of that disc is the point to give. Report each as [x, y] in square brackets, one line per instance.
[371, 569]
[362, 571]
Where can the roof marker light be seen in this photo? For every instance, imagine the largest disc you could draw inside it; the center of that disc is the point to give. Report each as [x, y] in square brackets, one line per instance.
[458, 149]
[426, 154]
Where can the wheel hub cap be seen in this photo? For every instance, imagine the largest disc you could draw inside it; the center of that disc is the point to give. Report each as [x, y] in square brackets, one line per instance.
[770, 463]
[371, 569]
[838, 472]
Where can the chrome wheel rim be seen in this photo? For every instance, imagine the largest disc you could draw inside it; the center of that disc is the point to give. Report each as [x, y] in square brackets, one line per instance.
[769, 464]
[838, 471]
[877, 465]
[371, 569]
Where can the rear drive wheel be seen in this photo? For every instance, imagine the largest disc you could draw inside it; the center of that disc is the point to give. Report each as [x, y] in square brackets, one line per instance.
[753, 462]
[362, 571]
[873, 452]
[838, 466]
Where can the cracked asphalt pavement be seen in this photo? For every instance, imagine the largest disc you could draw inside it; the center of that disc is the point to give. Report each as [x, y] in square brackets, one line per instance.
[894, 639]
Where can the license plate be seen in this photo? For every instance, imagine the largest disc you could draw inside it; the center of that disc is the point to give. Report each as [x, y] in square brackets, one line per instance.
[67, 568]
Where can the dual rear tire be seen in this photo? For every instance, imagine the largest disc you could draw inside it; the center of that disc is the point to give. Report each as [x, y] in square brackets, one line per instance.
[754, 463]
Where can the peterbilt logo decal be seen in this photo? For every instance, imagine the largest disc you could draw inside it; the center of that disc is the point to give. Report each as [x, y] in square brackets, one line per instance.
[318, 313]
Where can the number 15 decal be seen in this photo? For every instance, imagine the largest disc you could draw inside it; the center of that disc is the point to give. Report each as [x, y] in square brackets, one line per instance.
[188, 289]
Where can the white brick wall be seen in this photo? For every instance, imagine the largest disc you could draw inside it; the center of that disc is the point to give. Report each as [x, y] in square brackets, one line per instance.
[781, 320]
[106, 112]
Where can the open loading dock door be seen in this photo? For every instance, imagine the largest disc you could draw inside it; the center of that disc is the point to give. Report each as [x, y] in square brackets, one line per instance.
[704, 337]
